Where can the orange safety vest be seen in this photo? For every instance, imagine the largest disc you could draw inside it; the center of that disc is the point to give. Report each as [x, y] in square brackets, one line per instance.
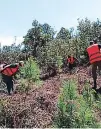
[94, 53]
[10, 71]
[71, 60]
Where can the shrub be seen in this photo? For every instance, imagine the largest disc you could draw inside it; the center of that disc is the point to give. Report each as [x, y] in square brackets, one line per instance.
[31, 70]
[74, 111]
[24, 86]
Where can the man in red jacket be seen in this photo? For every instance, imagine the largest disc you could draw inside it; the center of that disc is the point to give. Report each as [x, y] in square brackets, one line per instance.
[71, 62]
[7, 72]
[94, 59]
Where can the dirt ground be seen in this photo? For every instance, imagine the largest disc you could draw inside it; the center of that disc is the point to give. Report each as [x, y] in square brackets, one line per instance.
[37, 109]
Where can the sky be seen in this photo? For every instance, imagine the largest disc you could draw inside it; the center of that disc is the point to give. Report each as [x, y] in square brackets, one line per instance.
[16, 16]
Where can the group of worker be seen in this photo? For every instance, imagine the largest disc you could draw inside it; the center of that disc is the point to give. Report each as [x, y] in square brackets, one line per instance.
[8, 71]
[94, 55]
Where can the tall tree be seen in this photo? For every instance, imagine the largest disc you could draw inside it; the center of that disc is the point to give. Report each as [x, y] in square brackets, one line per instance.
[38, 35]
[63, 34]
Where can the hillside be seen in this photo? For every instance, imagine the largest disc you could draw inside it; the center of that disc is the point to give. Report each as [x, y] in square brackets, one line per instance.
[39, 106]
[46, 94]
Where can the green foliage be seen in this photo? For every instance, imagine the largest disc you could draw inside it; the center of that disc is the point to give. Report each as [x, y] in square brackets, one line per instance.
[88, 95]
[38, 35]
[6, 120]
[59, 62]
[87, 31]
[75, 111]
[46, 46]
[24, 86]
[63, 34]
[53, 53]
[31, 70]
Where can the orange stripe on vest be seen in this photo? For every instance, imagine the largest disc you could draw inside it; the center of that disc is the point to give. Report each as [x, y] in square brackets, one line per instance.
[94, 53]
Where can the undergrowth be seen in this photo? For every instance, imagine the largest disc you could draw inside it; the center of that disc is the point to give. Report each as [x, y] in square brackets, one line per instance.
[6, 119]
[31, 74]
[31, 70]
[74, 110]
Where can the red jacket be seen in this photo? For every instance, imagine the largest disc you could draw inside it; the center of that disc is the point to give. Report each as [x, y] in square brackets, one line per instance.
[94, 53]
[10, 70]
[71, 60]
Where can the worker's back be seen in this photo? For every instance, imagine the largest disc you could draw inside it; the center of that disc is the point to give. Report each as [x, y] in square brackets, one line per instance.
[94, 53]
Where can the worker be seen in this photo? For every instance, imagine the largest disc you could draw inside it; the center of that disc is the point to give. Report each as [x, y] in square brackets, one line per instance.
[94, 59]
[71, 62]
[7, 72]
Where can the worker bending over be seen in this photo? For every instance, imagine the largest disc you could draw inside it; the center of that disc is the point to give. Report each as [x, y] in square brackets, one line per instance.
[71, 62]
[7, 72]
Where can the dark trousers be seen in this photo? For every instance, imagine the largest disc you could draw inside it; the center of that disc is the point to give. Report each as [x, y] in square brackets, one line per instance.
[71, 66]
[9, 83]
[94, 71]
